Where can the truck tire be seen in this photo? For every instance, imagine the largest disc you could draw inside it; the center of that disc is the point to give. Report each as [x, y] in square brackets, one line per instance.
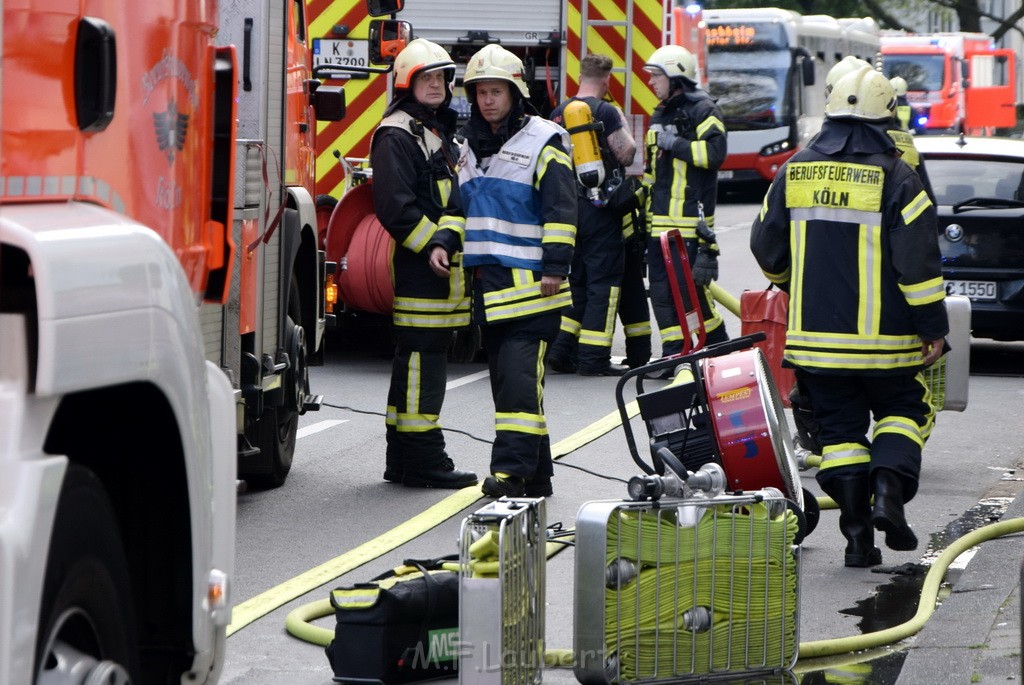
[87, 619]
[279, 424]
[324, 208]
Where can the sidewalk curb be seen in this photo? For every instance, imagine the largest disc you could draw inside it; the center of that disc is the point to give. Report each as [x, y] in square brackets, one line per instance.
[974, 636]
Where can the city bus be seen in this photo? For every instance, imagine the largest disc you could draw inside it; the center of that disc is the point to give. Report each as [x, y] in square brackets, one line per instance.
[766, 68]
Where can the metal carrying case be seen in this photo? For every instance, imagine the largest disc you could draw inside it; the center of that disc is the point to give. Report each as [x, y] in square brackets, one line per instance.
[685, 589]
[502, 562]
[948, 377]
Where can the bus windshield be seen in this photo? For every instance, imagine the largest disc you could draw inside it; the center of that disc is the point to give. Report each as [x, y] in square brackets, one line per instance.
[921, 72]
[750, 86]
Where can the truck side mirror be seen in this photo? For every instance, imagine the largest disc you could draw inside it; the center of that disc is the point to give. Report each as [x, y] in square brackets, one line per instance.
[388, 37]
[382, 8]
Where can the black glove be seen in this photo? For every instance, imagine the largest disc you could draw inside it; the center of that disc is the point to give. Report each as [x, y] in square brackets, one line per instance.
[705, 267]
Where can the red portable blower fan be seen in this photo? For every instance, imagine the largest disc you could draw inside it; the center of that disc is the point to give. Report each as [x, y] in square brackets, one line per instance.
[721, 407]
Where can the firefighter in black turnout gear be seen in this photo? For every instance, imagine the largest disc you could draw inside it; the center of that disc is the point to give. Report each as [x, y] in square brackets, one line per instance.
[415, 192]
[584, 343]
[848, 230]
[685, 147]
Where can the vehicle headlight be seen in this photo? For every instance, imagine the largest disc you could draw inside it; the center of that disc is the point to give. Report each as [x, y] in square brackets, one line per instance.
[775, 148]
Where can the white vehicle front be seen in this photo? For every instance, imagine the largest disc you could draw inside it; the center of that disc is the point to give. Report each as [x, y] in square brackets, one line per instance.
[117, 456]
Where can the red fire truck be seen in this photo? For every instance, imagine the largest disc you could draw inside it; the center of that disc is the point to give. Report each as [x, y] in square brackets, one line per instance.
[160, 298]
[956, 82]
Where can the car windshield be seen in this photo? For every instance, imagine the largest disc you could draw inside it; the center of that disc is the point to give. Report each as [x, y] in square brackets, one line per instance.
[955, 179]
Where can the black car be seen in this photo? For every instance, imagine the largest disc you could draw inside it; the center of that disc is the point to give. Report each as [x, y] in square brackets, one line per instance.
[979, 189]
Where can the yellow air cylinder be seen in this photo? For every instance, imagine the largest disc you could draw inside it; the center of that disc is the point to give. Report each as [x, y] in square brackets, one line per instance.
[586, 150]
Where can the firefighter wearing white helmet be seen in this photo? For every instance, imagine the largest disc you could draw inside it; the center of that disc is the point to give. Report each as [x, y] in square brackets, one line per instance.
[848, 230]
[685, 147]
[519, 193]
[903, 110]
[877, 98]
[415, 191]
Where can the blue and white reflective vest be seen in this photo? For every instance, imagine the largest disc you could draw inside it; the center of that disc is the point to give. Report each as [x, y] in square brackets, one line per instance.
[503, 213]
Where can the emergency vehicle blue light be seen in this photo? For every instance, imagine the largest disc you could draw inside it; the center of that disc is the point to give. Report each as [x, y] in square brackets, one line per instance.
[921, 121]
[693, 8]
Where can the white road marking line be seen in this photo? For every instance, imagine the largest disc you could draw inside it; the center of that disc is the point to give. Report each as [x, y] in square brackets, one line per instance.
[467, 379]
[317, 427]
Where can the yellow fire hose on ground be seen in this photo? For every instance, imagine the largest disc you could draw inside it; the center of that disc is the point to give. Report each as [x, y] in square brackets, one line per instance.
[868, 645]
[298, 622]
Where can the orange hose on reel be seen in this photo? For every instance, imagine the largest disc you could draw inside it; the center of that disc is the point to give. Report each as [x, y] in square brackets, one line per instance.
[366, 281]
[362, 249]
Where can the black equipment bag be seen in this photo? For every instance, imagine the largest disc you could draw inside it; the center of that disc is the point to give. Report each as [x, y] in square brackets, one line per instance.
[400, 627]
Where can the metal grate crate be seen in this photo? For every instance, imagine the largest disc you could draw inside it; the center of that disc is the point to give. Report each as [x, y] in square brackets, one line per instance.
[685, 589]
[502, 557]
[947, 379]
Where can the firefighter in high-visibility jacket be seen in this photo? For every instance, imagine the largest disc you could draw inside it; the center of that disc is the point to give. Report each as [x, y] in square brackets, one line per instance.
[413, 154]
[847, 229]
[685, 147]
[519, 194]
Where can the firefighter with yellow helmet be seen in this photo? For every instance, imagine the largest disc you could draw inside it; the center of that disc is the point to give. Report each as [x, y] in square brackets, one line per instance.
[848, 230]
[519, 194]
[686, 145]
[413, 154]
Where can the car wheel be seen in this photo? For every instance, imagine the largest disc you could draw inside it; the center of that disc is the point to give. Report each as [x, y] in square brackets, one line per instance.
[86, 623]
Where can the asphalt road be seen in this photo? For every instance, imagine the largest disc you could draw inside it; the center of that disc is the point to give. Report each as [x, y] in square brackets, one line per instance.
[336, 522]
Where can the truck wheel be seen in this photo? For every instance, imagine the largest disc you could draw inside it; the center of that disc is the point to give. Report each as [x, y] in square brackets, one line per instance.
[279, 424]
[87, 620]
[324, 207]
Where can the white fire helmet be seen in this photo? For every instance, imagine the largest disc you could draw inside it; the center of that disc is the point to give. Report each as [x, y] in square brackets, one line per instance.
[899, 84]
[841, 69]
[419, 57]
[673, 61]
[863, 94]
[494, 62]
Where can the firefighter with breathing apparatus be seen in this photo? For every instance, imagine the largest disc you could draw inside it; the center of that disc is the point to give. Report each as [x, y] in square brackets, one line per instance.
[519, 195]
[848, 230]
[413, 154]
[601, 147]
[686, 145]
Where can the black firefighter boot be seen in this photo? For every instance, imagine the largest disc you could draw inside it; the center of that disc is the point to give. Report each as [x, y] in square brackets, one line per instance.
[852, 493]
[887, 515]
